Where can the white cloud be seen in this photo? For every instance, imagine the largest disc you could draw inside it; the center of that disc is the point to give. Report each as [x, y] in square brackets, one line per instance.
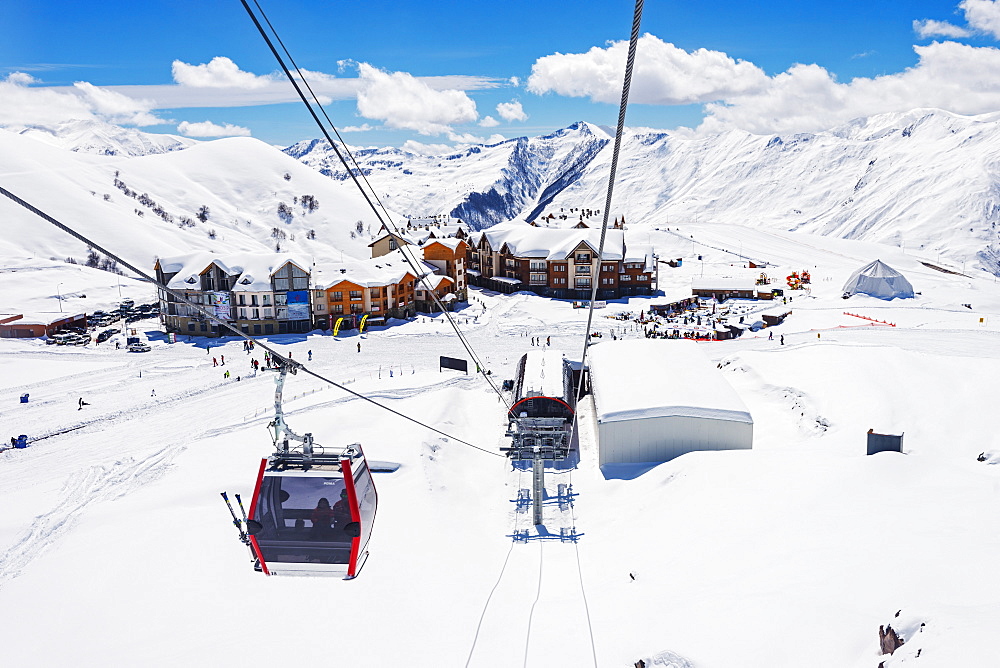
[210, 129]
[402, 101]
[982, 15]
[948, 75]
[419, 148]
[220, 72]
[358, 128]
[511, 111]
[489, 122]
[21, 104]
[806, 98]
[21, 78]
[466, 139]
[514, 81]
[663, 74]
[932, 28]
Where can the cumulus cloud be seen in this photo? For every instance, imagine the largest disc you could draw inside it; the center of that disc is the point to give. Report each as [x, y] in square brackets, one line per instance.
[402, 101]
[365, 127]
[466, 139]
[420, 148]
[220, 72]
[806, 98]
[982, 16]
[932, 28]
[210, 129]
[511, 111]
[948, 75]
[663, 74]
[489, 122]
[23, 104]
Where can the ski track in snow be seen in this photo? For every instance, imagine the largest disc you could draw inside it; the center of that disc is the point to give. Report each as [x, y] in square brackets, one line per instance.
[96, 483]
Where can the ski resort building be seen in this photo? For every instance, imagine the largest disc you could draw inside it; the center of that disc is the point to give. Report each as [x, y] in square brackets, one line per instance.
[559, 262]
[446, 255]
[658, 399]
[258, 293]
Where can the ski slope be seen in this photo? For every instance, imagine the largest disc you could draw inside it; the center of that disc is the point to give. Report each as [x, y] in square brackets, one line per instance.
[790, 554]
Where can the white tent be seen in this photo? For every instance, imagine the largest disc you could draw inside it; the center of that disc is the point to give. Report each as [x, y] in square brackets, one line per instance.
[878, 280]
[656, 400]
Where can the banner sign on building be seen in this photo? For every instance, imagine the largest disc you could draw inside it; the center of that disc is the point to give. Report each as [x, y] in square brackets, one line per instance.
[298, 305]
[221, 305]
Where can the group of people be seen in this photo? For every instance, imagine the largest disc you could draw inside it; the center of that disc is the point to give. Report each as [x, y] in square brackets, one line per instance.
[326, 518]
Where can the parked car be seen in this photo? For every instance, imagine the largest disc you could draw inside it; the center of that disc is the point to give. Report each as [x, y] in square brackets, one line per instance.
[139, 347]
[107, 334]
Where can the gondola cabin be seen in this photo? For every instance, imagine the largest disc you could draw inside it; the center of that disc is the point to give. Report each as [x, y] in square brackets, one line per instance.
[543, 386]
[313, 515]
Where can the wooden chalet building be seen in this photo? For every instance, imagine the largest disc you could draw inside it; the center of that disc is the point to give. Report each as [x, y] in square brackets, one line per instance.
[560, 263]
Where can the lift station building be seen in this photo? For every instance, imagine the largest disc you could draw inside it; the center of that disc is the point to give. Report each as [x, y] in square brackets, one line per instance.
[657, 399]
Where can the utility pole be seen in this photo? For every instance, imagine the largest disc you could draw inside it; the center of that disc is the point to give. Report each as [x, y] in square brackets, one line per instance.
[59, 297]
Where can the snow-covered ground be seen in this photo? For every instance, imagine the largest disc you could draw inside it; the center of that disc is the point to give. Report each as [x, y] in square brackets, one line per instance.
[116, 549]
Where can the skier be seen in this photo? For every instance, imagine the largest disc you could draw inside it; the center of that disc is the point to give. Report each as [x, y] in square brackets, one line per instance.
[82, 404]
[225, 375]
[782, 339]
[153, 393]
[215, 362]
[310, 356]
[770, 336]
[359, 346]
[548, 340]
[223, 358]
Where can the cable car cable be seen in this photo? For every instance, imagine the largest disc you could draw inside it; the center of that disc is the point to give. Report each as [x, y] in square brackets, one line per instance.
[294, 365]
[390, 225]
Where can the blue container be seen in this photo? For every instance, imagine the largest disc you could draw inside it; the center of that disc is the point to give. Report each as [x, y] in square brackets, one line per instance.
[24, 398]
[22, 441]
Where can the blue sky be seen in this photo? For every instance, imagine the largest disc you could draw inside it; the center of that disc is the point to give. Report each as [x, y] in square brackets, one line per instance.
[408, 73]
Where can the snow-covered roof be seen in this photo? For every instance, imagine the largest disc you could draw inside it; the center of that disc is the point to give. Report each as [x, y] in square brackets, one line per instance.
[434, 280]
[372, 272]
[660, 378]
[553, 243]
[543, 374]
[449, 242]
[254, 270]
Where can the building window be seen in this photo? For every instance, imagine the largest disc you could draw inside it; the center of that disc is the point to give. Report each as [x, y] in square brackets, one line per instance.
[253, 300]
[355, 308]
[267, 300]
[584, 269]
[626, 277]
[338, 309]
[583, 282]
[392, 244]
[267, 313]
[242, 300]
[537, 279]
[355, 294]
[319, 294]
[607, 267]
[558, 267]
[537, 266]
[320, 307]
[255, 314]
[583, 258]
[190, 326]
[338, 296]
[243, 314]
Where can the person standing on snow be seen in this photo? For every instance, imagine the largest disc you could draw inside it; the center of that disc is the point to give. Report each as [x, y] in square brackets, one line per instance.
[215, 362]
[359, 346]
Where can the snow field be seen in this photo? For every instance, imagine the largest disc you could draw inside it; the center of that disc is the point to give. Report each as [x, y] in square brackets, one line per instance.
[790, 554]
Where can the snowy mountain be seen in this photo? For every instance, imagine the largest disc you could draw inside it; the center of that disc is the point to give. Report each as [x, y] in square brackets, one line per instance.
[99, 138]
[925, 179]
[148, 206]
[482, 185]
